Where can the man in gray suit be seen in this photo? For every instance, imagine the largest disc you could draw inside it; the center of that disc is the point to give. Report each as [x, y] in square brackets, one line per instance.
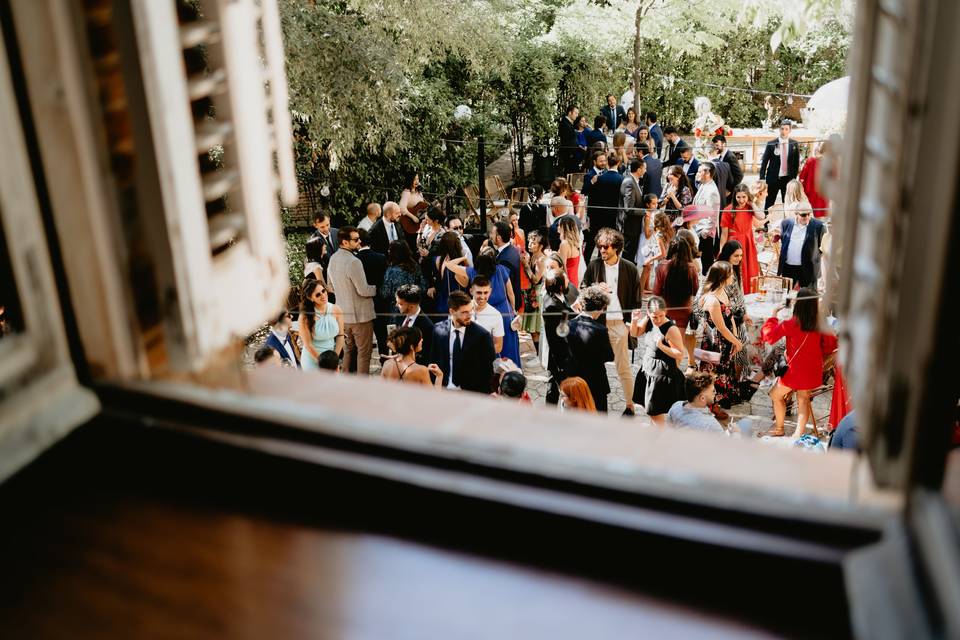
[631, 207]
[355, 297]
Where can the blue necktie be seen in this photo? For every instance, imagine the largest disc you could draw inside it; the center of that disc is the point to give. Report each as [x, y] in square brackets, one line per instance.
[457, 352]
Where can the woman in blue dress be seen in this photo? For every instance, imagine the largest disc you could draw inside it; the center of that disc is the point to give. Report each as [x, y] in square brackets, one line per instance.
[501, 297]
[321, 324]
[448, 280]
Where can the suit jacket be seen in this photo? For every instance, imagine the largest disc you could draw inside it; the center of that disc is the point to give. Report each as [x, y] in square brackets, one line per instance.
[425, 325]
[810, 255]
[568, 137]
[631, 206]
[378, 236]
[604, 200]
[653, 175]
[274, 343]
[591, 136]
[589, 345]
[673, 152]
[736, 171]
[628, 283]
[510, 258]
[374, 266]
[354, 294]
[692, 171]
[558, 360]
[657, 134]
[770, 164]
[724, 182]
[609, 113]
[332, 245]
[476, 357]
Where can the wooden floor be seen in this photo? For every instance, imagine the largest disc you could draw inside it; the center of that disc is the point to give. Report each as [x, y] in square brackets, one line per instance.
[115, 535]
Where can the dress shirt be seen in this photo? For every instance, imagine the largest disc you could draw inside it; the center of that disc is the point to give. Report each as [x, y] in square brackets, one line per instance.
[795, 248]
[612, 278]
[366, 223]
[409, 320]
[784, 150]
[391, 230]
[287, 346]
[453, 336]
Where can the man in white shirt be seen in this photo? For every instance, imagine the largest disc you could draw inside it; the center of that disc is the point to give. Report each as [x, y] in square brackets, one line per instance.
[373, 214]
[708, 197]
[800, 248]
[485, 315]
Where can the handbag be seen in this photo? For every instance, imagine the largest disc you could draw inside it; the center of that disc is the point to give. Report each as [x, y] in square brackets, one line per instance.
[783, 365]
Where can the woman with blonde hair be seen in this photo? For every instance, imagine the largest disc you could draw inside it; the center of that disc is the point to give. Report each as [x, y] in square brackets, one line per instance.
[575, 394]
[570, 252]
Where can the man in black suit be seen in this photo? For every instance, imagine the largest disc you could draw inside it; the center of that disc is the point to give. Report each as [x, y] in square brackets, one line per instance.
[568, 140]
[656, 133]
[386, 229]
[613, 113]
[631, 206]
[620, 280]
[721, 175]
[554, 306]
[328, 239]
[722, 154]
[507, 254]
[690, 166]
[463, 349]
[603, 193]
[780, 164]
[675, 145]
[408, 299]
[654, 172]
[374, 268]
[800, 250]
[589, 345]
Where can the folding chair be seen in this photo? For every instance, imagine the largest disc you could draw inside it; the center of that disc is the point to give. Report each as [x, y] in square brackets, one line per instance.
[757, 281]
[575, 180]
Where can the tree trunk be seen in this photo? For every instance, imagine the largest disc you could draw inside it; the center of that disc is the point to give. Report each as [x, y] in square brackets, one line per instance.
[637, 50]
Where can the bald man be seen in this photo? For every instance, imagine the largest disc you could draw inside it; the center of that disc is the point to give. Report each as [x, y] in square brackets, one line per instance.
[386, 229]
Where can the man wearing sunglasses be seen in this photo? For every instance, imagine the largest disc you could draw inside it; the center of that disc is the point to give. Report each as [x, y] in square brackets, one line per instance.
[800, 251]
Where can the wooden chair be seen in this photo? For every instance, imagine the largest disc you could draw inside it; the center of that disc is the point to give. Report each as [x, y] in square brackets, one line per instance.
[497, 197]
[519, 196]
[575, 180]
[756, 281]
[472, 194]
[769, 267]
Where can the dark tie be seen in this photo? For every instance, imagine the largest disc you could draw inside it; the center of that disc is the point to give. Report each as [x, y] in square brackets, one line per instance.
[457, 352]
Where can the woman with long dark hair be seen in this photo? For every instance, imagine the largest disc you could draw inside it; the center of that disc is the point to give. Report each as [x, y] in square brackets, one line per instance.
[676, 281]
[450, 272]
[411, 196]
[736, 223]
[631, 125]
[720, 339]
[407, 342]
[808, 343]
[401, 269]
[678, 193]
[732, 252]
[321, 324]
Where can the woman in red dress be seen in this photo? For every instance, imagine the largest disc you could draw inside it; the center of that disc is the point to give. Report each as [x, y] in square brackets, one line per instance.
[808, 176]
[520, 242]
[736, 223]
[807, 346]
[570, 243]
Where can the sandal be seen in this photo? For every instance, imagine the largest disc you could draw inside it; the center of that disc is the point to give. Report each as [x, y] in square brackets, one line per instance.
[775, 433]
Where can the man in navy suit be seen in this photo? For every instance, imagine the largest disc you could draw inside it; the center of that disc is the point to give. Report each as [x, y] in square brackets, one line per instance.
[589, 345]
[690, 165]
[408, 298]
[675, 146]
[654, 172]
[656, 133]
[508, 256]
[613, 113]
[800, 248]
[463, 349]
[327, 236]
[279, 340]
[596, 134]
[780, 164]
[603, 192]
[387, 229]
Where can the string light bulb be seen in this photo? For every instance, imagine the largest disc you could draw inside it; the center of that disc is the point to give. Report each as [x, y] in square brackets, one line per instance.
[325, 191]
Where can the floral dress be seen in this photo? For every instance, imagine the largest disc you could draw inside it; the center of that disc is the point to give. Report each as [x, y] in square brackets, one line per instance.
[730, 390]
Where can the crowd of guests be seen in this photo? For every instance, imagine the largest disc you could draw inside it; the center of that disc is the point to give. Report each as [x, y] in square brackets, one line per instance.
[655, 252]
